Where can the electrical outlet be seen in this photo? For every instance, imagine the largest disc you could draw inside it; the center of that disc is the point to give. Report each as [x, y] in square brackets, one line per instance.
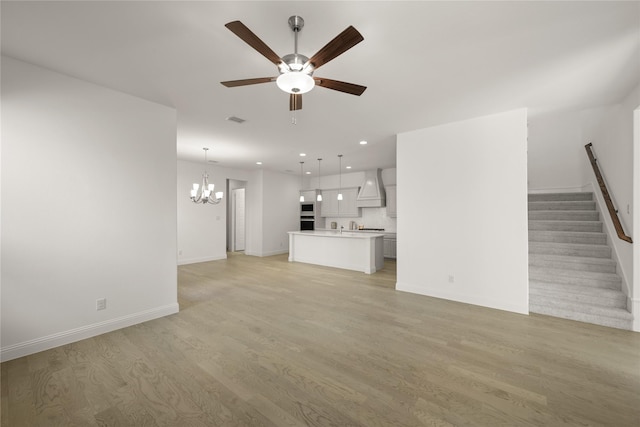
[101, 304]
[451, 279]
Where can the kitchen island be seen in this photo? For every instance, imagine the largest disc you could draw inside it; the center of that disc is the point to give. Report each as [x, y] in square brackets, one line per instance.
[351, 251]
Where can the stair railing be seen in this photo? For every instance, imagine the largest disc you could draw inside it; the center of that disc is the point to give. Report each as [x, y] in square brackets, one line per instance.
[607, 198]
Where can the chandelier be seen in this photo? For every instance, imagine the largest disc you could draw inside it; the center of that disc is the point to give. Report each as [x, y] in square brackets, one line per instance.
[206, 194]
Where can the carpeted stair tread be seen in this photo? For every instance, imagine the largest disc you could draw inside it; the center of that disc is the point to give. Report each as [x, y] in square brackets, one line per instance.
[593, 238]
[578, 275]
[603, 265]
[593, 309]
[572, 249]
[579, 294]
[611, 322]
[574, 226]
[578, 205]
[565, 225]
[563, 215]
[539, 197]
[592, 282]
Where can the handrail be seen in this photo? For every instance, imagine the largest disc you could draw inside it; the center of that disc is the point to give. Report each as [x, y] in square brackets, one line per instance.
[607, 199]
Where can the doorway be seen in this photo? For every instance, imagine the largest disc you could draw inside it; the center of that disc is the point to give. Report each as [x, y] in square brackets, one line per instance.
[236, 226]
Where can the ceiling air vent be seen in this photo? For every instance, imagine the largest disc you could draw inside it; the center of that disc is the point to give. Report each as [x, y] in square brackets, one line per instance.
[235, 119]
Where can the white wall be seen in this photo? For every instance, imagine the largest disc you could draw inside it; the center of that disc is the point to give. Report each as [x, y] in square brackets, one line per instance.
[556, 152]
[635, 301]
[280, 212]
[611, 130]
[201, 228]
[88, 189]
[462, 191]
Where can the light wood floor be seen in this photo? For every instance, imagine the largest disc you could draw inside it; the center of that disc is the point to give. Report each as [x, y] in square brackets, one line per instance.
[264, 342]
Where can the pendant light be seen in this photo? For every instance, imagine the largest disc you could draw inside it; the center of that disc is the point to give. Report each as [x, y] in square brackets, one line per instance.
[340, 179]
[301, 184]
[319, 198]
[205, 195]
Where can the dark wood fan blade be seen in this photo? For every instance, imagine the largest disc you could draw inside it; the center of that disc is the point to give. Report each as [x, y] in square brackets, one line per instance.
[339, 45]
[345, 87]
[245, 82]
[241, 30]
[295, 101]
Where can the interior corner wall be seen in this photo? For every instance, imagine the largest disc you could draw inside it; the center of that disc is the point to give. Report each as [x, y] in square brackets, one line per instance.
[635, 287]
[280, 212]
[254, 207]
[462, 191]
[555, 153]
[88, 212]
[611, 130]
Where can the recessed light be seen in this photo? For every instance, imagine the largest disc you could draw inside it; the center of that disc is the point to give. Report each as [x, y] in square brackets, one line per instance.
[348, 167]
[302, 154]
[308, 173]
[363, 142]
[258, 163]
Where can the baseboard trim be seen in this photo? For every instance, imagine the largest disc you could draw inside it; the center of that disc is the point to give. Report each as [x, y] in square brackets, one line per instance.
[466, 299]
[278, 252]
[201, 259]
[270, 253]
[61, 338]
[635, 310]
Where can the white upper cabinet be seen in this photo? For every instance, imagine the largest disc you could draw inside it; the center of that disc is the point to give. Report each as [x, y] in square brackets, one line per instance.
[345, 208]
[391, 201]
[329, 207]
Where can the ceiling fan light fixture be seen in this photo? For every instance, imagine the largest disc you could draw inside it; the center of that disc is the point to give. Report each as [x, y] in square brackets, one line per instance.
[295, 82]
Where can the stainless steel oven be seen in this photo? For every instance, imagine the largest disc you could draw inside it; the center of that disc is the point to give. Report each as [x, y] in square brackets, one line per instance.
[307, 223]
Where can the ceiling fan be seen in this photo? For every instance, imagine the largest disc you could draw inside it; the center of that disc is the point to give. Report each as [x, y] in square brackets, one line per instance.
[296, 70]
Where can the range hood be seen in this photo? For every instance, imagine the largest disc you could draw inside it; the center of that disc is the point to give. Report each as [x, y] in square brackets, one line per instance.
[372, 193]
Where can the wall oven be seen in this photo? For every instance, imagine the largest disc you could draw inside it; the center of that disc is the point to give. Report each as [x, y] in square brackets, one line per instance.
[307, 223]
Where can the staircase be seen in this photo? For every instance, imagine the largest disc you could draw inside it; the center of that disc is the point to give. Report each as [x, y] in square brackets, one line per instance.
[571, 272]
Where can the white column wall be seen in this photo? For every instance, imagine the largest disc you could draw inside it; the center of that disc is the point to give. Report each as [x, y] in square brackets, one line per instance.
[88, 212]
[462, 191]
[280, 212]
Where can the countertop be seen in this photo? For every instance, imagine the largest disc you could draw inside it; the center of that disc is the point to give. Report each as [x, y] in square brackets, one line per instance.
[390, 234]
[336, 233]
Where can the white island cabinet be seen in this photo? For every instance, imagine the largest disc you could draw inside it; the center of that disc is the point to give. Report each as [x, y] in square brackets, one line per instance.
[351, 251]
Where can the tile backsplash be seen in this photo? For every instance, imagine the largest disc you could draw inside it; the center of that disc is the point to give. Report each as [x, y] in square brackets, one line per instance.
[371, 218]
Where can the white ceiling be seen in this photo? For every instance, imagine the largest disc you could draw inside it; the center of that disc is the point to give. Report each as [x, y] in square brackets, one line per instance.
[424, 63]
